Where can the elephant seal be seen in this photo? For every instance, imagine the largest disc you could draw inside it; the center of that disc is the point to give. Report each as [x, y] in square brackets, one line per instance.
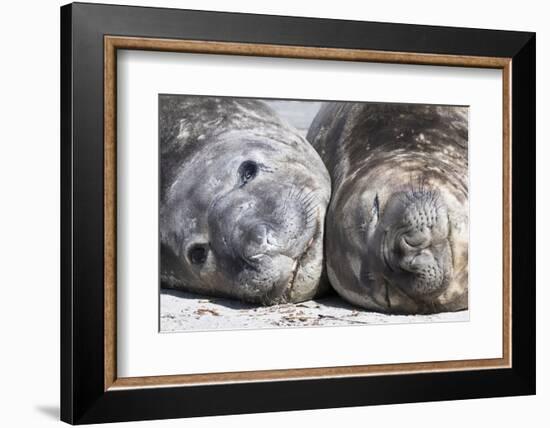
[397, 224]
[243, 199]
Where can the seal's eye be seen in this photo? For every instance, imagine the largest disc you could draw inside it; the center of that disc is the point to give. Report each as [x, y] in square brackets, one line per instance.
[198, 253]
[247, 171]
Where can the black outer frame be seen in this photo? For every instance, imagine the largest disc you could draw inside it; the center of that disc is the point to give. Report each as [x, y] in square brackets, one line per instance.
[83, 399]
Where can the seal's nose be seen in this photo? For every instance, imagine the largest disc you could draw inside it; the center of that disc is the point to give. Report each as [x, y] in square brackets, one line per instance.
[415, 240]
[257, 235]
[414, 250]
[258, 240]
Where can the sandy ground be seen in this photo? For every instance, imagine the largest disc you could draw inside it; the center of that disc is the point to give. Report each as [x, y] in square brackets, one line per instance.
[182, 311]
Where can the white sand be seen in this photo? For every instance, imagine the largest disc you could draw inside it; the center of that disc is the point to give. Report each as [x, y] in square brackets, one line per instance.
[182, 311]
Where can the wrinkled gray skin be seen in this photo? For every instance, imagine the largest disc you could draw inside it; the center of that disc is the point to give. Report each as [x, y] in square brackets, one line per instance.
[397, 225]
[242, 204]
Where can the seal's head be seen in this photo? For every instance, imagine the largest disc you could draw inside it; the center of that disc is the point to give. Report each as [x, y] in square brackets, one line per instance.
[410, 237]
[397, 225]
[242, 216]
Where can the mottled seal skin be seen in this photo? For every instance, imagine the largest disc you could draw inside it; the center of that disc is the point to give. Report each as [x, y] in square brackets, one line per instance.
[397, 224]
[242, 202]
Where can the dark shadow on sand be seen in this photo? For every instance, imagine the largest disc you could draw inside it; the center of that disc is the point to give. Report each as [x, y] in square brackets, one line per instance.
[337, 302]
[332, 300]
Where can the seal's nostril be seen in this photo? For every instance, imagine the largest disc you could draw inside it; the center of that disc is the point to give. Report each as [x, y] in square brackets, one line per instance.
[271, 238]
[256, 242]
[412, 242]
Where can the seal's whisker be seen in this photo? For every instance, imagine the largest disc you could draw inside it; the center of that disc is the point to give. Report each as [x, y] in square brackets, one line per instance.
[310, 219]
[309, 196]
[299, 194]
[289, 197]
[311, 212]
[311, 207]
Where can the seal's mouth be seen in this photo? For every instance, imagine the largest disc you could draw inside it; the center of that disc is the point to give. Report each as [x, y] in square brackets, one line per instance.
[281, 292]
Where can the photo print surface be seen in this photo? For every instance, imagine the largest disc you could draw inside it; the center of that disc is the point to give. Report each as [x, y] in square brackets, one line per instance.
[290, 213]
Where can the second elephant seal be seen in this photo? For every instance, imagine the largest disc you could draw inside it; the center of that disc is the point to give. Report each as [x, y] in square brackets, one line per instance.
[397, 225]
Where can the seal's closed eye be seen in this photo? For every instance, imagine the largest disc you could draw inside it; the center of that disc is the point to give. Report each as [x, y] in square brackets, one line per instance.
[248, 171]
[198, 254]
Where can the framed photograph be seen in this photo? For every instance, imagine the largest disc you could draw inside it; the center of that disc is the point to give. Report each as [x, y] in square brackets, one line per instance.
[266, 213]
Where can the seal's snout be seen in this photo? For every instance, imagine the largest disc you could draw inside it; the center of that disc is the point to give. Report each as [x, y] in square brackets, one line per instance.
[416, 247]
[258, 240]
[256, 236]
